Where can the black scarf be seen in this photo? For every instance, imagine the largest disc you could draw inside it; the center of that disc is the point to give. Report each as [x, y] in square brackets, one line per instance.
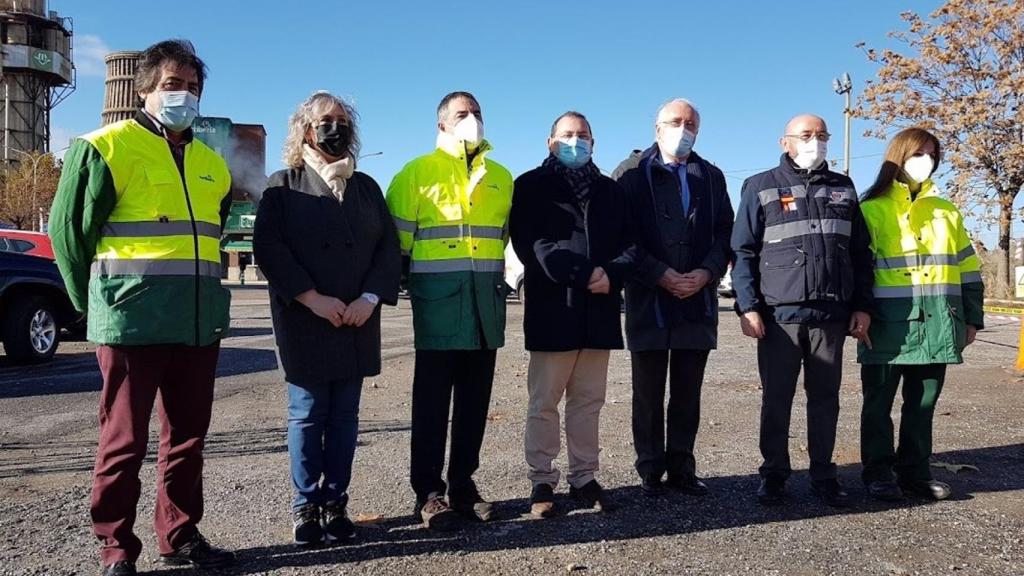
[579, 179]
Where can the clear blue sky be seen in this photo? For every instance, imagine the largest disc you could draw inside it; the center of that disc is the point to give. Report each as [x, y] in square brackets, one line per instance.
[749, 65]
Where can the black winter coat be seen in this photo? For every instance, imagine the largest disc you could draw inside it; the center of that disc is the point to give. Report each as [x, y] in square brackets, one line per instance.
[561, 314]
[667, 238]
[305, 239]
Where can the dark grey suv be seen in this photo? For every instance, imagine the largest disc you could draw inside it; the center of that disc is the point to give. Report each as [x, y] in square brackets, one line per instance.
[34, 308]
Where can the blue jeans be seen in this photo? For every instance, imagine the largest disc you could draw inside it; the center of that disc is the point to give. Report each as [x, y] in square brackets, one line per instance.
[323, 423]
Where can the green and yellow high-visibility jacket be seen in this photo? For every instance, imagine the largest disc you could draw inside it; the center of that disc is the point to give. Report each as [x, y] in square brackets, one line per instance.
[452, 219]
[137, 239]
[928, 284]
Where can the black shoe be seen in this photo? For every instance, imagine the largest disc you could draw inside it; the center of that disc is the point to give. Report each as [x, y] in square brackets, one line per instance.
[593, 496]
[771, 492]
[931, 489]
[436, 514]
[542, 501]
[831, 492]
[468, 502]
[306, 530]
[652, 487]
[121, 568]
[198, 552]
[336, 525]
[885, 490]
[688, 485]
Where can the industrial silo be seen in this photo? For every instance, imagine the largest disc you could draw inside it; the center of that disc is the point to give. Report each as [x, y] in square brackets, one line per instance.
[119, 99]
[37, 68]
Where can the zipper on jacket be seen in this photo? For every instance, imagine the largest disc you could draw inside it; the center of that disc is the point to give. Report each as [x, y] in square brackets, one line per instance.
[195, 240]
[811, 267]
[586, 225]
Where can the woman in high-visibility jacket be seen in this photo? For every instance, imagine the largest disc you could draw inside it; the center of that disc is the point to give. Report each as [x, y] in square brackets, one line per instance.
[928, 306]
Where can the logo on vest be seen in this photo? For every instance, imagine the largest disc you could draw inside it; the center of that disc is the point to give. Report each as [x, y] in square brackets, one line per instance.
[206, 177]
[787, 200]
[837, 196]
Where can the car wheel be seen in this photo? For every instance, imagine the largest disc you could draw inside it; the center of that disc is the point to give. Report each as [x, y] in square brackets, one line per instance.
[521, 292]
[30, 331]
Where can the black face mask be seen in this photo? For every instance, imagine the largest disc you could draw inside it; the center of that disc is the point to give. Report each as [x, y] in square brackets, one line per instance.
[334, 138]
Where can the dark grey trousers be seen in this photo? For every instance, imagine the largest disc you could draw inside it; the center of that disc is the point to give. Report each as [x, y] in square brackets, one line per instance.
[785, 348]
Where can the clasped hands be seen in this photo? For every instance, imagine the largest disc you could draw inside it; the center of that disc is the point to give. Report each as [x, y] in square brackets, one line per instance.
[339, 314]
[684, 285]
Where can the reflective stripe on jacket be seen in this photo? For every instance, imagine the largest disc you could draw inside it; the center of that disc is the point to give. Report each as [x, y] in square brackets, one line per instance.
[452, 220]
[927, 278]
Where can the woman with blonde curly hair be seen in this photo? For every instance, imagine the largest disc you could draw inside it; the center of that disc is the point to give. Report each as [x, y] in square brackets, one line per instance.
[328, 247]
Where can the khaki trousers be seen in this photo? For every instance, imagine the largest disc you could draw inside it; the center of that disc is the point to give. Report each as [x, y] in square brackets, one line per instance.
[581, 376]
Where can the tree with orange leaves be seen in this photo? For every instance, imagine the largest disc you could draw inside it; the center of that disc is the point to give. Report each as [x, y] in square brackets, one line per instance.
[27, 189]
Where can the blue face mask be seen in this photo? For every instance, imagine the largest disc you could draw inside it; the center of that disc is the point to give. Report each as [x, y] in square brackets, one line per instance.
[574, 152]
[177, 109]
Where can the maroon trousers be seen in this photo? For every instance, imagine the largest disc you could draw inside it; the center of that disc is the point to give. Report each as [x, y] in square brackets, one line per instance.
[134, 377]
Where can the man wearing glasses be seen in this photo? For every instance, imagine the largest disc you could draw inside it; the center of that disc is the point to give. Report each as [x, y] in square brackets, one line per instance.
[803, 278]
[682, 219]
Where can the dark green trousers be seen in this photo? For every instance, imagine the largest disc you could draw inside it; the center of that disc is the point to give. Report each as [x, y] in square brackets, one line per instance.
[921, 387]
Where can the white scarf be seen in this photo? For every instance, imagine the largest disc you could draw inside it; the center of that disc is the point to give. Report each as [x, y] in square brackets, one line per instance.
[334, 174]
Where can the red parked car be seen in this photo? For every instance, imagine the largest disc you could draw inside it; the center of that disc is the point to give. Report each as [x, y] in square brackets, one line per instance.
[23, 242]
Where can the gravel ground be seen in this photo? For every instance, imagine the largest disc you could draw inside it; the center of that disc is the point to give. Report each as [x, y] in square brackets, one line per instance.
[48, 435]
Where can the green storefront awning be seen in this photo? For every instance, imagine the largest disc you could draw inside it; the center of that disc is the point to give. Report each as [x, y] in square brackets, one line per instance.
[237, 246]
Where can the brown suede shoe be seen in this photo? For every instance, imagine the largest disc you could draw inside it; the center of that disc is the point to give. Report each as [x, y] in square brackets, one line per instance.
[542, 501]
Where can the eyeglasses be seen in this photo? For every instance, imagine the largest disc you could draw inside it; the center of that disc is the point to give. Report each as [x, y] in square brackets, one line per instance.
[679, 122]
[567, 134]
[808, 136]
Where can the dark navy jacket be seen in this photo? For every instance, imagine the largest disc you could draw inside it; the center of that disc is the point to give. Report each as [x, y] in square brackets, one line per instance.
[802, 248]
[667, 238]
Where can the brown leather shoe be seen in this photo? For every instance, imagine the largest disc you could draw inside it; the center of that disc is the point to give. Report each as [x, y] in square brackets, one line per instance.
[436, 514]
[542, 501]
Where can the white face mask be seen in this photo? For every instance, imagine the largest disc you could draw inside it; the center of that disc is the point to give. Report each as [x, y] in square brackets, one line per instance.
[469, 130]
[677, 141]
[919, 168]
[810, 154]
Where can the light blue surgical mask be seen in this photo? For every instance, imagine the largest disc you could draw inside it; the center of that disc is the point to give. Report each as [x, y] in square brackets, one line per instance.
[574, 152]
[177, 109]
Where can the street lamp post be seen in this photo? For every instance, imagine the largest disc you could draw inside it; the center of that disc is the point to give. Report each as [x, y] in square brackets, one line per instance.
[844, 86]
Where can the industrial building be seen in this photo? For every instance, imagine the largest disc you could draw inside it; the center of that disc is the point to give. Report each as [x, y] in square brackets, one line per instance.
[37, 73]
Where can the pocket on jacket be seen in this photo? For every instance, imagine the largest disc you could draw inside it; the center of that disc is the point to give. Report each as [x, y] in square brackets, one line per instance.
[117, 292]
[436, 306]
[838, 210]
[783, 276]
[890, 338]
[843, 269]
[166, 188]
[502, 291]
[219, 312]
[959, 328]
